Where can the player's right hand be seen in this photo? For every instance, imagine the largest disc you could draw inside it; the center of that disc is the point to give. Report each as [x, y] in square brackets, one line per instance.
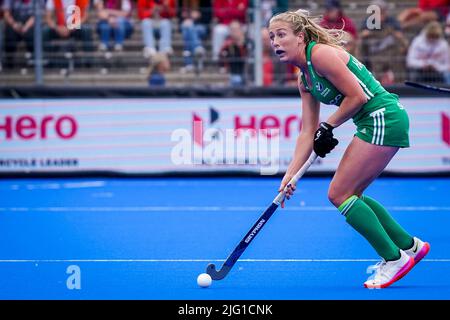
[324, 140]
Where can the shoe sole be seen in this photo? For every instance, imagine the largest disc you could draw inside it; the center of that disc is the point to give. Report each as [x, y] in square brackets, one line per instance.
[422, 253]
[405, 269]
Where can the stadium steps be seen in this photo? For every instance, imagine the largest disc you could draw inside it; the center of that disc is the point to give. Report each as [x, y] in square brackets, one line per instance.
[131, 78]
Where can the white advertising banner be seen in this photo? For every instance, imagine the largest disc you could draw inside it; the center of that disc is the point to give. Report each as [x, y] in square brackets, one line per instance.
[192, 135]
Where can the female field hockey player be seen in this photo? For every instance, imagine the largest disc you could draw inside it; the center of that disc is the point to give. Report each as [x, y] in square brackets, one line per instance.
[332, 76]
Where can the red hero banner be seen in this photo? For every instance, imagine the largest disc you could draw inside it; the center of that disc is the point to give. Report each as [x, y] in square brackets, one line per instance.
[445, 128]
[287, 126]
[27, 127]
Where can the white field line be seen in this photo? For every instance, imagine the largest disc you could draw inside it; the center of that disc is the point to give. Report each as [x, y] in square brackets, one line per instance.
[194, 260]
[203, 209]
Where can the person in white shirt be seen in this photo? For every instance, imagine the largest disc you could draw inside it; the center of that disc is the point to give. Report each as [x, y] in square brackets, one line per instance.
[428, 55]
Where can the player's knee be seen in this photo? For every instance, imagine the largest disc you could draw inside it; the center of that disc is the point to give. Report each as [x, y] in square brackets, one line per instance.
[333, 196]
[338, 196]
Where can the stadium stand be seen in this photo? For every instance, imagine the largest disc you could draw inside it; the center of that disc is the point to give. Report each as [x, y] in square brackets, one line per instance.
[130, 67]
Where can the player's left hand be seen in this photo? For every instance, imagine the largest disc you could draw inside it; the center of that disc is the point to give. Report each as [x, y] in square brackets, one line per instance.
[289, 190]
[324, 141]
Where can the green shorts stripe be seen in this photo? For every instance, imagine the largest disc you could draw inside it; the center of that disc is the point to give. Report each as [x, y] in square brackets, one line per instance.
[378, 126]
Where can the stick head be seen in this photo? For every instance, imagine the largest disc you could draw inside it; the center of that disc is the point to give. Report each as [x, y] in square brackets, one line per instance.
[211, 269]
[217, 275]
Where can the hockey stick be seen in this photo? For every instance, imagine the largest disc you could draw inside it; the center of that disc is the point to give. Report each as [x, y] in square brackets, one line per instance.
[256, 228]
[427, 86]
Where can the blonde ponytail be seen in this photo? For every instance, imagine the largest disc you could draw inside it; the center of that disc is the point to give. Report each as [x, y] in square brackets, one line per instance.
[302, 22]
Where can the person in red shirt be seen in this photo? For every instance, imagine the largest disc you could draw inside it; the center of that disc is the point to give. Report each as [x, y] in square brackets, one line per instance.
[114, 21]
[195, 19]
[425, 12]
[334, 18]
[57, 18]
[155, 16]
[268, 65]
[224, 12]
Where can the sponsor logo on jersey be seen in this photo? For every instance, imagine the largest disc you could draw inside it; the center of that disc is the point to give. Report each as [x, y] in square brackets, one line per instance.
[325, 92]
[319, 86]
[336, 99]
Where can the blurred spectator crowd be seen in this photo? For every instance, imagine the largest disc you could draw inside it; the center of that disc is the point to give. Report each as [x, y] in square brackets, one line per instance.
[413, 43]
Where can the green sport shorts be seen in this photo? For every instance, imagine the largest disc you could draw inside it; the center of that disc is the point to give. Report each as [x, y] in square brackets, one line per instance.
[383, 121]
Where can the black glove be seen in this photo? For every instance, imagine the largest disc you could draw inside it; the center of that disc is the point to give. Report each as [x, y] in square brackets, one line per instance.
[323, 140]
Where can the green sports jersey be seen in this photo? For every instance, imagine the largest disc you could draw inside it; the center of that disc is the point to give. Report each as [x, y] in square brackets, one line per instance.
[324, 91]
[382, 119]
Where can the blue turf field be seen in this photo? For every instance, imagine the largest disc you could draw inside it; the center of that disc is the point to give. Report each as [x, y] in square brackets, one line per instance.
[150, 238]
